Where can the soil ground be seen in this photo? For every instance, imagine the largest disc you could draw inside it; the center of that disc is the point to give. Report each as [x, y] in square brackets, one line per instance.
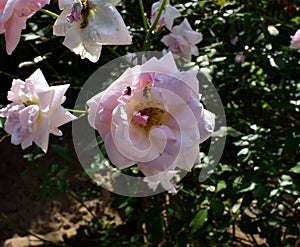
[22, 210]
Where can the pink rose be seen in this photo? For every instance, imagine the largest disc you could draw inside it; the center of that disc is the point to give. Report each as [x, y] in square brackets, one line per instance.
[35, 111]
[239, 58]
[87, 27]
[168, 15]
[151, 116]
[295, 41]
[13, 17]
[182, 40]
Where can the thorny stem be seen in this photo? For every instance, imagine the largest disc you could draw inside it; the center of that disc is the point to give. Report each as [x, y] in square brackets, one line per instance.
[153, 26]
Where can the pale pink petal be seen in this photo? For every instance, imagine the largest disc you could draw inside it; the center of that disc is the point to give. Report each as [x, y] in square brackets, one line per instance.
[114, 91]
[163, 178]
[164, 162]
[28, 123]
[64, 3]
[206, 125]
[149, 149]
[7, 11]
[110, 28]
[13, 32]
[45, 99]
[15, 94]
[193, 37]
[103, 121]
[114, 155]
[29, 115]
[59, 117]
[166, 64]
[59, 92]
[171, 13]
[42, 133]
[175, 85]
[93, 104]
[74, 40]
[140, 119]
[168, 15]
[186, 159]
[61, 24]
[38, 79]
[295, 41]
[178, 45]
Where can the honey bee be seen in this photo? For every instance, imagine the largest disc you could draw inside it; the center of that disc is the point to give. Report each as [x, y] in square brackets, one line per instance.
[127, 91]
[84, 14]
[146, 91]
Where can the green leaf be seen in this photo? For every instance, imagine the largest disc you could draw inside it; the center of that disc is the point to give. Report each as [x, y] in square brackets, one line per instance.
[155, 225]
[2, 122]
[221, 185]
[199, 220]
[61, 185]
[227, 131]
[62, 152]
[243, 151]
[296, 168]
[217, 207]
[247, 187]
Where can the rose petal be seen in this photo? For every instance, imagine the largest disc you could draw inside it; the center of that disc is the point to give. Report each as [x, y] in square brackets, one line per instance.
[109, 26]
[7, 11]
[38, 79]
[14, 28]
[61, 24]
[149, 149]
[114, 155]
[42, 133]
[164, 65]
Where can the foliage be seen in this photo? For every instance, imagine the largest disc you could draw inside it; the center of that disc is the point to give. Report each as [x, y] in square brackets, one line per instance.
[254, 192]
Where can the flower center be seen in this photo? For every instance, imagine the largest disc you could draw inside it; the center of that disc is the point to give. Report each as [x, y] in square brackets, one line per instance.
[149, 110]
[153, 116]
[80, 11]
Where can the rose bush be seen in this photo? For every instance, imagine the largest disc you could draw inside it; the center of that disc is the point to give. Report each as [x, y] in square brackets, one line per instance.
[151, 116]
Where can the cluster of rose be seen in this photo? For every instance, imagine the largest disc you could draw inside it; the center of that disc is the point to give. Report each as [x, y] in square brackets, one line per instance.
[148, 130]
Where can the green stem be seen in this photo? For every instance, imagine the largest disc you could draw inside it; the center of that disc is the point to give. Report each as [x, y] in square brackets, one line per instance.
[74, 196]
[143, 15]
[48, 12]
[153, 26]
[46, 62]
[77, 111]
[132, 47]
[159, 31]
[8, 74]
[113, 51]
